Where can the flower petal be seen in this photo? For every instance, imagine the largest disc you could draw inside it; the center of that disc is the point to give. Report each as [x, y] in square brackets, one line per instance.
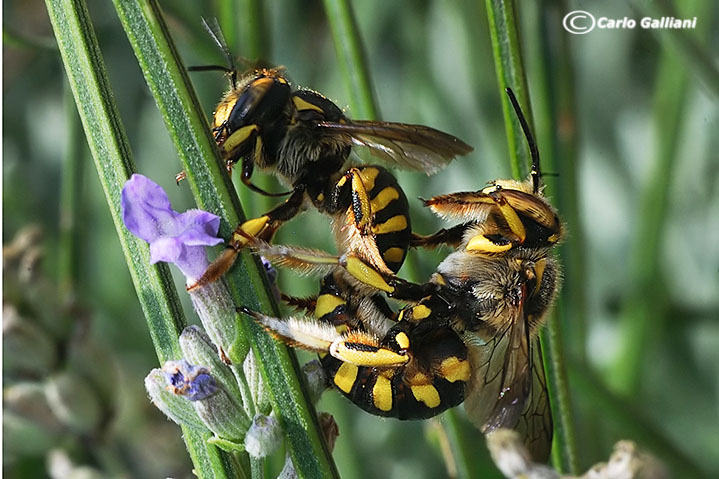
[145, 208]
[197, 227]
[166, 249]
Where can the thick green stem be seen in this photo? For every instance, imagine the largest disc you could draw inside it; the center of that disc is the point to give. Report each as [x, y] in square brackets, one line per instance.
[510, 74]
[108, 144]
[213, 192]
[352, 58]
[70, 232]
[503, 27]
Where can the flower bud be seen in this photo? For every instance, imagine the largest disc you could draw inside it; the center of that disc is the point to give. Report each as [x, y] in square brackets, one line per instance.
[197, 348]
[511, 456]
[220, 412]
[222, 415]
[177, 408]
[315, 378]
[73, 401]
[259, 392]
[214, 306]
[263, 437]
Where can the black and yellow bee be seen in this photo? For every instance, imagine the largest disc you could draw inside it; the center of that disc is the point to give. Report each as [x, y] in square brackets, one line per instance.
[305, 140]
[468, 335]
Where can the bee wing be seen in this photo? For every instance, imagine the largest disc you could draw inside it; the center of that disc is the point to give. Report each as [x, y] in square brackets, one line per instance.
[466, 205]
[508, 389]
[414, 147]
[535, 425]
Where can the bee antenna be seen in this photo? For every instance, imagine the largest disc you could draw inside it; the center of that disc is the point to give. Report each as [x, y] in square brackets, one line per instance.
[533, 151]
[213, 28]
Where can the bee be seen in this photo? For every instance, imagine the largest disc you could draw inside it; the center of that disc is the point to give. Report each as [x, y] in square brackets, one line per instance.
[305, 140]
[467, 335]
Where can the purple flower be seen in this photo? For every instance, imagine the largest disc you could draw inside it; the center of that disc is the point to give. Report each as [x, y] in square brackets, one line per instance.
[174, 237]
[193, 382]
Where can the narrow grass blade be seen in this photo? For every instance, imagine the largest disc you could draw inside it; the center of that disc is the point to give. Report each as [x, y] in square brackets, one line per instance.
[212, 189]
[352, 58]
[510, 73]
[640, 318]
[106, 137]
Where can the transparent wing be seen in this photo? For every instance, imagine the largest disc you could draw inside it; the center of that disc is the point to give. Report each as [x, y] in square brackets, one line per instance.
[508, 388]
[414, 147]
[535, 425]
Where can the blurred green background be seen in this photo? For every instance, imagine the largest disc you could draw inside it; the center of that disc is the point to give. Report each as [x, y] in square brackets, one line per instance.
[625, 119]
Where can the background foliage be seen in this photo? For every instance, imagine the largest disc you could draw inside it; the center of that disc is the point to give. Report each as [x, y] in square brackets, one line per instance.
[633, 112]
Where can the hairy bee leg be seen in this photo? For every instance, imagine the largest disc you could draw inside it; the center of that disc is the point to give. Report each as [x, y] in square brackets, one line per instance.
[451, 237]
[262, 228]
[307, 304]
[358, 348]
[297, 331]
[393, 286]
[361, 207]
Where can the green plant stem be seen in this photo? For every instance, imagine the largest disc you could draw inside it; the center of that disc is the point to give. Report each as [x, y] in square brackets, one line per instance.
[70, 234]
[352, 59]
[108, 144]
[641, 318]
[213, 192]
[552, 85]
[510, 72]
[245, 20]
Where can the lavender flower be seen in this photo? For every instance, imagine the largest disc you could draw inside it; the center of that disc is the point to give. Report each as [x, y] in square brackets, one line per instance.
[174, 237]
[193, 382]
[210, 405]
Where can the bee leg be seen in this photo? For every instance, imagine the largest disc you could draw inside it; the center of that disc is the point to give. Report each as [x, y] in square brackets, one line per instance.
[451, 237]
[308, 304]
[393, 286]
[513, 203]
[247, 169]
[510, 215]
[303, 332]
[262, 228]
[356, 347]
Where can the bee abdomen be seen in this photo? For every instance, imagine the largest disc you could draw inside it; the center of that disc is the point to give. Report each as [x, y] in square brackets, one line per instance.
[432, 381]
[391, 223]
[390, 393]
